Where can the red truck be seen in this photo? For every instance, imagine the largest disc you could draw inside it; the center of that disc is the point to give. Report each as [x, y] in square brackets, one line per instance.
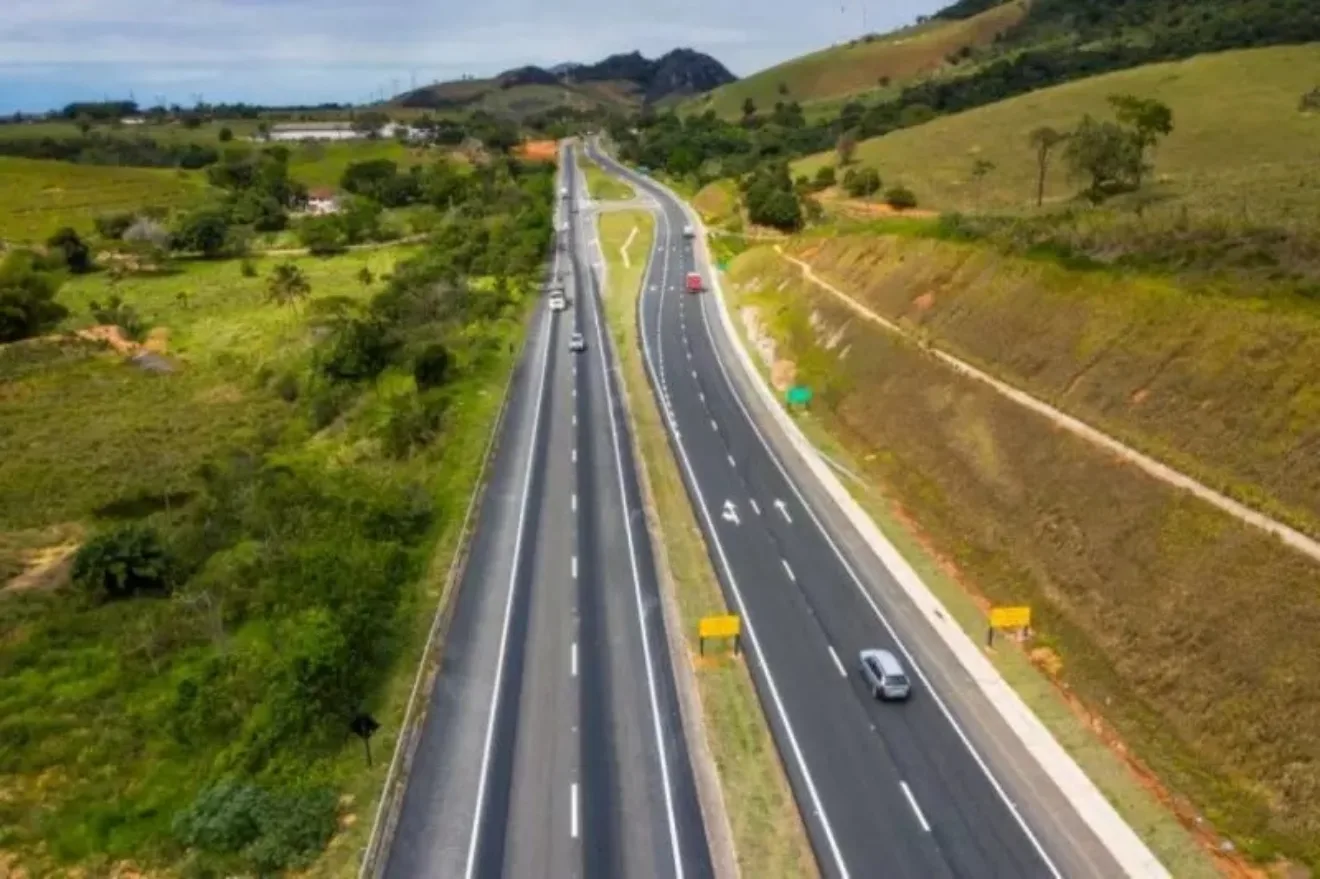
[694, 284]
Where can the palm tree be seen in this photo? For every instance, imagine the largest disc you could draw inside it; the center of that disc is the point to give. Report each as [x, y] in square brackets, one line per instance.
[287, 285]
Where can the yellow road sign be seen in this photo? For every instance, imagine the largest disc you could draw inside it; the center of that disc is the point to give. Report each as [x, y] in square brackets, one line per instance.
[720, 627]
[1010, 617]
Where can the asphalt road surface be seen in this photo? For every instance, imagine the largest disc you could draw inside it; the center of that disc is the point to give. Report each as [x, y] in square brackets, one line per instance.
[934, 787]
[552, 745]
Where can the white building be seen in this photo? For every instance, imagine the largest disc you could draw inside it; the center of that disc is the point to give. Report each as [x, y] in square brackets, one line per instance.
[297, 131]
[322, 201]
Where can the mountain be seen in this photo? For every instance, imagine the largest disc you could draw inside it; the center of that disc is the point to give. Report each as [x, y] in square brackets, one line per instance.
[619, 83]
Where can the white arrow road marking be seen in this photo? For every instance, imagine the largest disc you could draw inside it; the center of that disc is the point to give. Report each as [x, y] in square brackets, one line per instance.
[783, 509]
[731, 513]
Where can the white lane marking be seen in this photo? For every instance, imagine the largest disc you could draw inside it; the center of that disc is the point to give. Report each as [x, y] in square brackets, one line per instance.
[783, 510]
[837, 664]
[689, 356]
[575, 456]
[756, 508]
[575, 392]
[732, 463]
[475, 837]
[662, 747]
[875, 609]
[574, 567]
[713, 425]
[573, 812]
[575, 421]
[912, 801]
[574, 662]
[818, 806]
[575, 501]
[788, 570]
[694, 372]
[702, 396]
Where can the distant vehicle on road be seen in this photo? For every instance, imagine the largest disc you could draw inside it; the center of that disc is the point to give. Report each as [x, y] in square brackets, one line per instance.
[694, 283]
[884, 675]
[576, 342]
[689, 232]
[563, 191]
[557, 300]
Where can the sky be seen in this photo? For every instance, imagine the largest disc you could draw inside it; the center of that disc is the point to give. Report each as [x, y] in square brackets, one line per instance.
[312, 51]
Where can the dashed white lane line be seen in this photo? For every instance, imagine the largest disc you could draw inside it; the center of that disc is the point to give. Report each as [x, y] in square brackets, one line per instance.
[843, 673]
[575, 456]
[575, 421]
[575, 501]
[574, 567]
[574, 662]
[788, 570]
[573, 818]
[912, 801]
[713, 425]
[755, 507]
[732, 463]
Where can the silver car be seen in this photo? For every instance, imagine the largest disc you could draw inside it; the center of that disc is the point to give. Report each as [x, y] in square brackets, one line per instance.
[577, 343]
[884, 675]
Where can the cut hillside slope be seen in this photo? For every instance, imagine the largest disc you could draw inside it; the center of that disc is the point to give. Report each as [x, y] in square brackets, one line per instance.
[1241, 144]
[866, 67]
[1222, 389]
[1189, 632]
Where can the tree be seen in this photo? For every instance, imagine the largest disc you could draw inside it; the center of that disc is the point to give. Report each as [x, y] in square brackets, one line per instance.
[845, 147]
[1106, 156]
[226, 134]
[900, 198]
[27, 297]
[204, 231]
[748, 108]
[1148, 121]
[1043, 140]
[72, 251]
[825, 176]
[322, 236]
[365, 277]
[118, 313]
[126, 561]
[359, 217]
[113, 226]
[370, 122]
[287, 285]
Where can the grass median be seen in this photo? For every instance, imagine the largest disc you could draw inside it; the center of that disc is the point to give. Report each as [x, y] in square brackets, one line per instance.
[602, 186]
[768, 835]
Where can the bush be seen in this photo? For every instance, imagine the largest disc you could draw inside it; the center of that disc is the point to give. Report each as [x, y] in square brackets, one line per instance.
[27, 297]
[860, 183]
[248, 268]
[116, 312]
[1311, 100]
[145, 230]
[431, 366]
[226, 135]
[72, 251]
[113, 226]
[825, 177]
[322, 236]
[264, 831]
[124, 562]
[901, 198]
[205, 232]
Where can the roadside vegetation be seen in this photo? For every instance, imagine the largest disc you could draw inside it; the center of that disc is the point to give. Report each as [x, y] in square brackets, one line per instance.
[768, 835]
[227, 488]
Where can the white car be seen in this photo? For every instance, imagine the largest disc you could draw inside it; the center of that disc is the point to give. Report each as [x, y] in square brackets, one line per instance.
[577, 342]
[689, 232]
[557, 301]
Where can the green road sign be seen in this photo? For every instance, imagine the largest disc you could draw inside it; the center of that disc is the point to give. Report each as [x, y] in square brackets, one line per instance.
[798, 395]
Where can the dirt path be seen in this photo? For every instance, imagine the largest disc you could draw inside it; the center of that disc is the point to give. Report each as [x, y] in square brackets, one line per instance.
[1290, 536]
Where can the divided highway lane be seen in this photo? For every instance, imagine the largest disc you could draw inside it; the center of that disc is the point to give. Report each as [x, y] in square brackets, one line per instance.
[887, 789]
[552, 745]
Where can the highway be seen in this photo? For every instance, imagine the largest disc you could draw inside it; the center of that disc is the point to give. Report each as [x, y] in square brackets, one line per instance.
[934, 787]
[552, 744]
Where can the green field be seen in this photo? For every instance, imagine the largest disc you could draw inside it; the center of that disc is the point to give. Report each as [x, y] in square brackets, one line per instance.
[856, 69]
[1241, 147]
[208, 133]
[602, 186]
[323, 164]
[40, 196]
[1185, 630]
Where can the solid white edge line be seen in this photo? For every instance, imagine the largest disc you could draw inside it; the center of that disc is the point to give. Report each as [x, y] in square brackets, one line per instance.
[573, 821]
[884, 621]
[475, 837]
[597, 305]
[788, 570]
[912, 801]
[843, 672]
[818, 807]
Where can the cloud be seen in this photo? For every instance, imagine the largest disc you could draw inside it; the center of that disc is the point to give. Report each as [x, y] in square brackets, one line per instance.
[221, 44]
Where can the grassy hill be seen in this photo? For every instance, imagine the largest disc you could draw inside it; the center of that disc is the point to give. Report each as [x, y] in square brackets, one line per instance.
[44, 195]
[867, 68]
[1241, 145]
